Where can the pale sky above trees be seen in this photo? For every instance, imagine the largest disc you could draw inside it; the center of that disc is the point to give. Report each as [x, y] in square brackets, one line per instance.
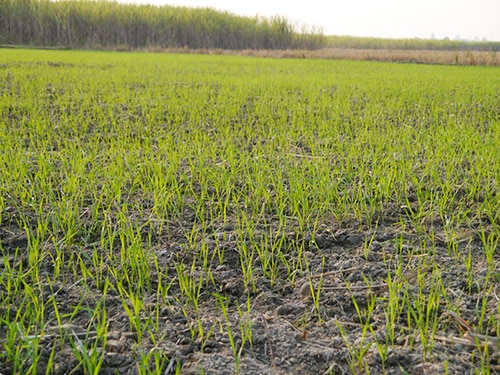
[453, 19]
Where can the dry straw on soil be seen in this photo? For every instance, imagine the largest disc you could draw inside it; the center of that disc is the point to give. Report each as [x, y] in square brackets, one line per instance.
[486, 58]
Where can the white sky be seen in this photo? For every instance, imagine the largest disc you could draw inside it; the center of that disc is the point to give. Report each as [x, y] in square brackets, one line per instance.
[467, 19]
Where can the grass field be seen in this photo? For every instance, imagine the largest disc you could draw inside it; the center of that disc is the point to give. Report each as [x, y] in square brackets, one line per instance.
[192, 214]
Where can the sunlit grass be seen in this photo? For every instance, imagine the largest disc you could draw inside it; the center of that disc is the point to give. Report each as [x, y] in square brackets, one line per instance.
[106, 157]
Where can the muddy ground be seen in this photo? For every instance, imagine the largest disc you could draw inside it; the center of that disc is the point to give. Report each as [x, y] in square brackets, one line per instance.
[290, 333]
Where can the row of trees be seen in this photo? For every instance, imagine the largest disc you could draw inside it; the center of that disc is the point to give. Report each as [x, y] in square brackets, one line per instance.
[105, 24]
[410, 44]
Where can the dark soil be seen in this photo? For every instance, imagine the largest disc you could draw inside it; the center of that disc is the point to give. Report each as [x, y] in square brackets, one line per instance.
[290, 333]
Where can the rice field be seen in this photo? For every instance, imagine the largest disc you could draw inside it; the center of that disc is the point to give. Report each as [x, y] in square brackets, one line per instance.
[198, 214]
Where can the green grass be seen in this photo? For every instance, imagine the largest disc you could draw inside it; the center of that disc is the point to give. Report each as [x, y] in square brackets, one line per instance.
[106, 157]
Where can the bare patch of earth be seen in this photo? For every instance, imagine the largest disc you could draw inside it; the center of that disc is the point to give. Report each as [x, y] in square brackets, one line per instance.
[294, 328]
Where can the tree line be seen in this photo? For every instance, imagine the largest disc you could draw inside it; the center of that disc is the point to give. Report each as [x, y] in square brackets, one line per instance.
[445, 44]
[108, 24]
[105, 24]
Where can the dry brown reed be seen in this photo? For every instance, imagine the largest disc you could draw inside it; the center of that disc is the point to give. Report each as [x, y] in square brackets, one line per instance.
[384, 55]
